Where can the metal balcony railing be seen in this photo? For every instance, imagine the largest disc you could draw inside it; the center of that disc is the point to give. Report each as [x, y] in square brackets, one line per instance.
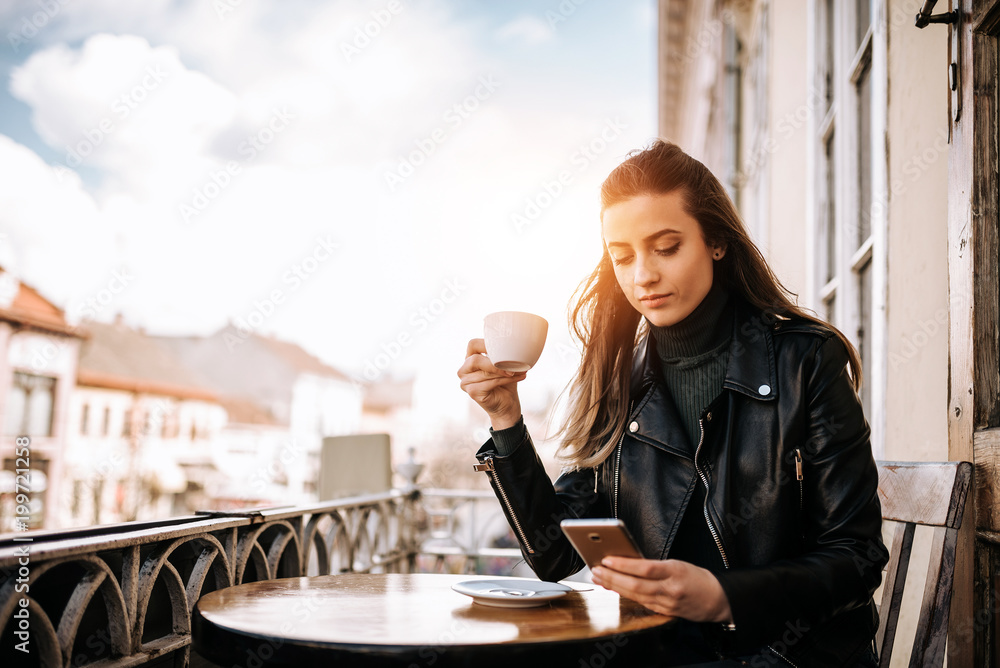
[122, 595]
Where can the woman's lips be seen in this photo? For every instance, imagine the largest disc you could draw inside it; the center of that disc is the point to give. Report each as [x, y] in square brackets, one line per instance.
[653, 301]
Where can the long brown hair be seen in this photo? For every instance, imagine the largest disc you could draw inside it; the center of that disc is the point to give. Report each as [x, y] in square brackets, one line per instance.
[607, 325]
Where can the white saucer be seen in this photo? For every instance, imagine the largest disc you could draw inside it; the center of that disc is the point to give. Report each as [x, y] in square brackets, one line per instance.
[511, 592]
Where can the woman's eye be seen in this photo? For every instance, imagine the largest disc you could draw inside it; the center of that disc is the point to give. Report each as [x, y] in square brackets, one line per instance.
[668, 251]
[620, 260]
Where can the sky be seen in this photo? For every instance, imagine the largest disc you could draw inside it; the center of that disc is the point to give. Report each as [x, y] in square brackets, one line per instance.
[367, 179]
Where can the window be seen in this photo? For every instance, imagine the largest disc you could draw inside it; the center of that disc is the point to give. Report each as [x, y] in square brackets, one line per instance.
[827, 260]
[106, 423]
[84, 419]
[152, 422]
[171, 427]
[754, 105]
[732, 155]
[39, 475]
[29, 405]
[848, 176]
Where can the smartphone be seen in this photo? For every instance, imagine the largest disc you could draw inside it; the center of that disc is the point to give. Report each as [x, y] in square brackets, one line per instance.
[595, 539]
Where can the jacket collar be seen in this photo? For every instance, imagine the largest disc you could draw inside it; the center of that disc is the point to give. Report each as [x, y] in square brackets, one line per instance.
[751, 367]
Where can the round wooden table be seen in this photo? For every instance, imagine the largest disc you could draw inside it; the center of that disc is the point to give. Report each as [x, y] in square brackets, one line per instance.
[417, 620]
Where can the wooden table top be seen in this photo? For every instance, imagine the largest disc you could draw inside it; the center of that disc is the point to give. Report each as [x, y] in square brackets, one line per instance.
[401, 615]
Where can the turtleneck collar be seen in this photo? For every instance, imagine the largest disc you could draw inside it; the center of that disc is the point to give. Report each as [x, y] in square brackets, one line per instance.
[706, 328]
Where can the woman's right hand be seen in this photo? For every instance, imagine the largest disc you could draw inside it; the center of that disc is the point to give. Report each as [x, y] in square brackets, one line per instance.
[493, 389]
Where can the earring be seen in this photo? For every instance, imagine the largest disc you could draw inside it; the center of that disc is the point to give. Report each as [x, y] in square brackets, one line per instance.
[717, 255]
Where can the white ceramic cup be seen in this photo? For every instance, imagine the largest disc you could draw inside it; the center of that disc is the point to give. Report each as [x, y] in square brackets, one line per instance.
[514, 339]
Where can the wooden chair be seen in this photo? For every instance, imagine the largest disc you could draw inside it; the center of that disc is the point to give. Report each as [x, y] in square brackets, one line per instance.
[931, 494]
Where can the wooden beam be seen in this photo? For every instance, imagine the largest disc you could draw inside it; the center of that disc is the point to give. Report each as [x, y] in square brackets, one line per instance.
[986, 604]
[986, 448]
[985, 217]
[961, 291]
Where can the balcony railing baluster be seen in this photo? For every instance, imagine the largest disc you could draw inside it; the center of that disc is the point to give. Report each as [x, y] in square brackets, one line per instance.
[144, 578]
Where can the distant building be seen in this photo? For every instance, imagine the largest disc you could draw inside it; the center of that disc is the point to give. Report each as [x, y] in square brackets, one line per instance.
[127, 426]
[38, 356]
[282, 402]
[143, 429]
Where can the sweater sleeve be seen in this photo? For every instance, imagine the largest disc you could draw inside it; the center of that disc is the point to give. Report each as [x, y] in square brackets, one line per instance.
[507, 440]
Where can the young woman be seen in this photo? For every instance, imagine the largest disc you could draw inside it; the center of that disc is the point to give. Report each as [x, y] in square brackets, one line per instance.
[718, 420]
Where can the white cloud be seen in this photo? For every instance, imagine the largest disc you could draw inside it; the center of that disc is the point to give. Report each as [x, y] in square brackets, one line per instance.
[123, 106]
[351, 120]
[527, 29]
[57, 239]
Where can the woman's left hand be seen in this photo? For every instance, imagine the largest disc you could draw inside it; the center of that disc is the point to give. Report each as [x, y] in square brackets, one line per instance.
[671, 587]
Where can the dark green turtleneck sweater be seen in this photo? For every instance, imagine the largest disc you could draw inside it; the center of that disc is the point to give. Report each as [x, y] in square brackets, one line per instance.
[693, 356]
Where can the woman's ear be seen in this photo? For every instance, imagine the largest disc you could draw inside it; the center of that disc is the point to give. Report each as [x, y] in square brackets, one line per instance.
[718, 252]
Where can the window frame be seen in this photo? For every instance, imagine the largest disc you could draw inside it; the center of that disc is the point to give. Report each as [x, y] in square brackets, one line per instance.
[852, 60]
[85, 419]
[753, 183]
[24, 426]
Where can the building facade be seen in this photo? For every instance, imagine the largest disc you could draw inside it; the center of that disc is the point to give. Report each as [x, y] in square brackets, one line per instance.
[789, 103]
[38, 357]
[286, 401]
[142, 431]
[861, 152]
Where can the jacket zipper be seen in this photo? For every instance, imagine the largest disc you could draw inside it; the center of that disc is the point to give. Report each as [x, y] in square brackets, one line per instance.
[782, 657]
[491, 471]
[799, 476]
[618, 468]
[618, 458]
[704, 480]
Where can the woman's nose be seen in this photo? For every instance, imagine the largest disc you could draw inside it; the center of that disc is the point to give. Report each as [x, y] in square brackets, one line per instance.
[645, 274]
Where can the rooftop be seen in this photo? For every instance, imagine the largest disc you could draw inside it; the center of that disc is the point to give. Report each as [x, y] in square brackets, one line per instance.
[22, 304]
[118, 357]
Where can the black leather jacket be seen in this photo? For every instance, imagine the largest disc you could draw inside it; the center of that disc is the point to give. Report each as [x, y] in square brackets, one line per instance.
[791, 492]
